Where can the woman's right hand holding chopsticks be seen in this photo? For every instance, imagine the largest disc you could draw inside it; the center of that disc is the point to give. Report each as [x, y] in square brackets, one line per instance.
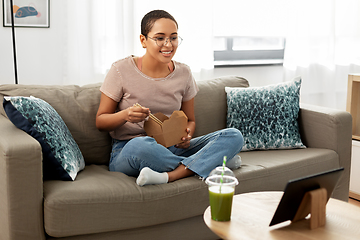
[137, 113]
[158, 121]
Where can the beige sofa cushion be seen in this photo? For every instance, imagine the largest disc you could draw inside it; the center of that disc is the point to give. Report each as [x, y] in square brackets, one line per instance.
[101, 201]
[210, 103]
[77, 106]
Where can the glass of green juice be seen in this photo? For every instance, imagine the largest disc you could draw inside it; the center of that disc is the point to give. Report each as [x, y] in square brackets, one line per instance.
[221, 193]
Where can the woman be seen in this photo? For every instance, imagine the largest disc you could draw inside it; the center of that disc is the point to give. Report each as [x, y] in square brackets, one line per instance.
[160, 85]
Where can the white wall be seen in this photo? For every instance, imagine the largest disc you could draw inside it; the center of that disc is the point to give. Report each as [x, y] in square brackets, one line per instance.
[39, 50]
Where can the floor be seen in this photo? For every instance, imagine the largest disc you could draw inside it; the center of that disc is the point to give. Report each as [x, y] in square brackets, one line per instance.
[354, 202]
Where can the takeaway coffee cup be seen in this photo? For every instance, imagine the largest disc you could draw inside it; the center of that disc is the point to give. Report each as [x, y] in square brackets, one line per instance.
[221, 193]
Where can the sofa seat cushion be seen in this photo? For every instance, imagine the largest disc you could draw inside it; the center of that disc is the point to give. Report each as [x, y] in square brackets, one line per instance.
[270, 170]
[102, 201]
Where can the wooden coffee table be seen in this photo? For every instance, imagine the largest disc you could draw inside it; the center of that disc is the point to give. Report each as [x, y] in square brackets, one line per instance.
[252, 213]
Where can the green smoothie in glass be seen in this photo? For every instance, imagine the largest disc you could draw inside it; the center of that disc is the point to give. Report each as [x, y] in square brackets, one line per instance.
[220, 198]
[221, 183]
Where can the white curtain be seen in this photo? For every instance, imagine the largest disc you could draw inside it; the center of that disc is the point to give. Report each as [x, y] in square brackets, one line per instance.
[322, 40]
[323, 47]
[101, 32]
[98, 33]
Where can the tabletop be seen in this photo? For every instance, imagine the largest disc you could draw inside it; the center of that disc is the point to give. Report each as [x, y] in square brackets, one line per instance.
[252, 213]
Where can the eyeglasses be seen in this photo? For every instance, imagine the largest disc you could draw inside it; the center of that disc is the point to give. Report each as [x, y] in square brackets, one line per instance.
[162, 41]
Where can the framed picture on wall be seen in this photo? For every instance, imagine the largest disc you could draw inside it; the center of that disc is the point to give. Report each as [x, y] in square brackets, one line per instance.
[27, 13]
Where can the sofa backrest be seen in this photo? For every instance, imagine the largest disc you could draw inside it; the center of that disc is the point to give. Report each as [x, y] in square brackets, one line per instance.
[77, 106]
[210, 103]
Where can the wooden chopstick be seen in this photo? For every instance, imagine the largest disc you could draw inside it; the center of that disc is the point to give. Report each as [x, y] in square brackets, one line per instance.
[155, 119]
[152, 116]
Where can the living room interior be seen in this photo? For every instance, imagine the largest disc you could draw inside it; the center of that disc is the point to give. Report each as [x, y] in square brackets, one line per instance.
[264, 42]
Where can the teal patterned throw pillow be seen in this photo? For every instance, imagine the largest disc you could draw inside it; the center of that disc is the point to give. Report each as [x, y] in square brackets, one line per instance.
[266, 116]
[62, 158]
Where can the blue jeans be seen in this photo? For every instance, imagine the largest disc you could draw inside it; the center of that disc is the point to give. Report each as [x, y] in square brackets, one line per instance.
[204, 154]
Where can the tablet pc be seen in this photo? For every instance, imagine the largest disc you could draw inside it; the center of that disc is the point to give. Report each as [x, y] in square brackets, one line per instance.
[296, 189]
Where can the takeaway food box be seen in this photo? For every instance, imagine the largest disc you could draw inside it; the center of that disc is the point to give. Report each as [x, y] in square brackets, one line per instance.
[167, 131]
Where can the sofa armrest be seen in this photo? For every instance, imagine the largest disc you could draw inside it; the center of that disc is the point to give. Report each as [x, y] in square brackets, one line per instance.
[21, 186]
[331, 129]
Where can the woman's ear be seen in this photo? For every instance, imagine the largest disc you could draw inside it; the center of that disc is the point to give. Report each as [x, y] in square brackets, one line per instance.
[143, 40]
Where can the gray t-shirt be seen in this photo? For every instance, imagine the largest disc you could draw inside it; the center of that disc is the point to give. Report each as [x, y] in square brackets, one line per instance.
[126, 84]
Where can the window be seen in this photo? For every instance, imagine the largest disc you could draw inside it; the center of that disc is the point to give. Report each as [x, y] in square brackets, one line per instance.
[250, 32]
[230, 51]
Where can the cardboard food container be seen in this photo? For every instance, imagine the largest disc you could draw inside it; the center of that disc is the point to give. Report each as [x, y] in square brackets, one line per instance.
[170, 131]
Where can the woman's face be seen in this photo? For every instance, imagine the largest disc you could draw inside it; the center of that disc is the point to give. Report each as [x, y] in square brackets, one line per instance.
[163, 31]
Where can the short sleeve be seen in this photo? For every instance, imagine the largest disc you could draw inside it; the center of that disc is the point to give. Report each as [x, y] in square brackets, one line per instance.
[112, 85]
[191, 88]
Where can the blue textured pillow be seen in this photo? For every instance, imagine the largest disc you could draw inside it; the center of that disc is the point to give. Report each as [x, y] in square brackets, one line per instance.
[62, 158]
[266, 116]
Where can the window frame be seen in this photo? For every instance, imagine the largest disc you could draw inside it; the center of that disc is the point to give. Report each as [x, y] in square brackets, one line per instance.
[230, 57]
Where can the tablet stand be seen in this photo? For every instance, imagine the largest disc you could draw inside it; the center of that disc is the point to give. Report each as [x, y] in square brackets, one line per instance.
[313, 202]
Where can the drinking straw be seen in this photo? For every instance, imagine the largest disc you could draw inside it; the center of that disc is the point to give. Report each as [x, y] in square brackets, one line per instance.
[222, 172]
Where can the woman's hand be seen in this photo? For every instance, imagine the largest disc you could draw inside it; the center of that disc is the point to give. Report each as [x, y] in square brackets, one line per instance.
[185, 140]
[137, 114]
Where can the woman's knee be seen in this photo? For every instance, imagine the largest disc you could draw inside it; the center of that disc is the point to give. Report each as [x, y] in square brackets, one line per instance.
[236, 135]
[138, 146]
[236, 132]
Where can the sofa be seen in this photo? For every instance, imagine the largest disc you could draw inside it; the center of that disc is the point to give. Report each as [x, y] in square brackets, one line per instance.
[100, 204]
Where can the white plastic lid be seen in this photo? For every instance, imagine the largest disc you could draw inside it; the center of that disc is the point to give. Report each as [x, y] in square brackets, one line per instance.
[228, 177]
